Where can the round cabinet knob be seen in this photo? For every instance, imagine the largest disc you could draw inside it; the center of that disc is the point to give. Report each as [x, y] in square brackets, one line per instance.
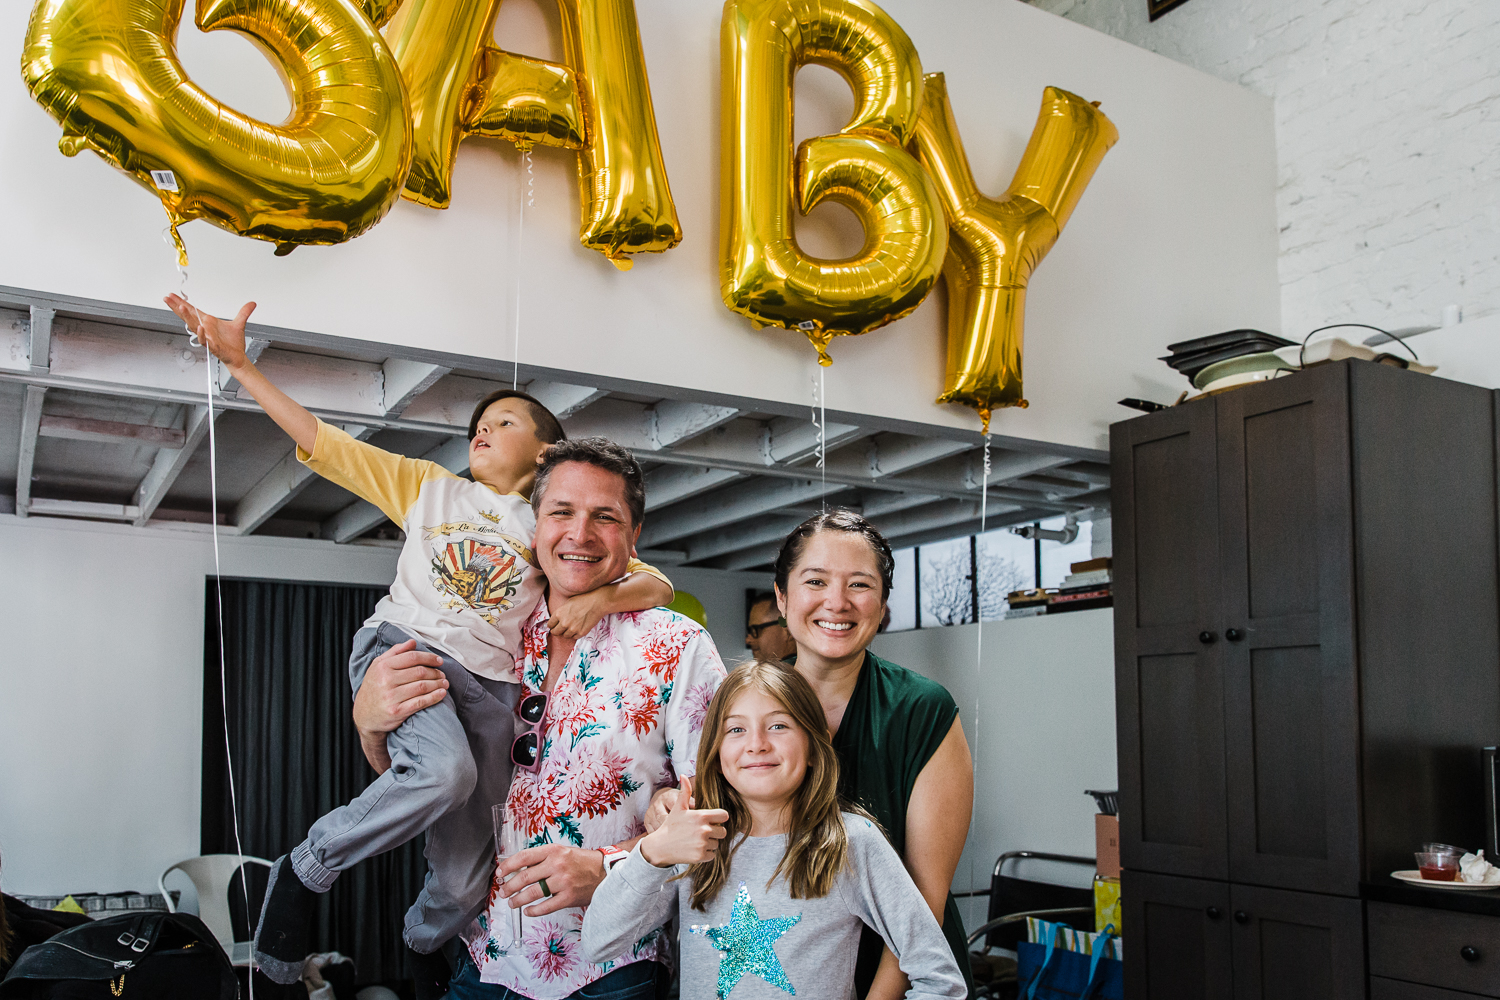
[1469, 953]
[1241, 917]
[1206, 638]
[1213, 913]
[1233, 634]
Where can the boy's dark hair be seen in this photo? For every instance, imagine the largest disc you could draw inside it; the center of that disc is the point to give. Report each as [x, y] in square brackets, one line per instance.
[836, 519]
[548, 429]
[604, 454]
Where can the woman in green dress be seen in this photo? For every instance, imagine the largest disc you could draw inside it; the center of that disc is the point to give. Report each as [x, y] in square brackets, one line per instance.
[901, 749]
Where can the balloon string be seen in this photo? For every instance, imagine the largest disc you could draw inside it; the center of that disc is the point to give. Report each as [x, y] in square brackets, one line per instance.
[820, 424]
[211, 389]
[984, 497]
[526, 202]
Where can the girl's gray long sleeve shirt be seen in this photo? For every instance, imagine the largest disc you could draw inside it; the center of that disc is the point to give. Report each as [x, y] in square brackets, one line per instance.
[755, 941]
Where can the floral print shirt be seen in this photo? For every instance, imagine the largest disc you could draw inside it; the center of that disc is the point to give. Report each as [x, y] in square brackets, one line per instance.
[623, 721]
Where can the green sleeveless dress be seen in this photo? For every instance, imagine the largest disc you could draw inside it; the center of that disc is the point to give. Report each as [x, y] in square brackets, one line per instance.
[893, 724]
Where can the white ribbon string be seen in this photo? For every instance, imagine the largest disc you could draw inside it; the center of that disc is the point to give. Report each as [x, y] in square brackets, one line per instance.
[526, 202]
[211, 390]
[984, 498]
[820, 424]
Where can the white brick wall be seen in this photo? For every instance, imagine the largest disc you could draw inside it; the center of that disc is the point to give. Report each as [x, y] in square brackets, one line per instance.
[1388, 141]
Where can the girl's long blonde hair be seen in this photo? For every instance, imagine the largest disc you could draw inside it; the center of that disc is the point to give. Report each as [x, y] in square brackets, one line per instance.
[817, 846]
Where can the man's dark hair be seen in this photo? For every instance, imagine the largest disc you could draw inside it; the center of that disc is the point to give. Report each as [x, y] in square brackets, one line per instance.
[836, 519]
[548, 429]
[604, 454]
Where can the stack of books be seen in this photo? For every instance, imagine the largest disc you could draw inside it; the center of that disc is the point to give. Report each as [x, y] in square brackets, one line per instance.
[1088, 586]
[1025, 603]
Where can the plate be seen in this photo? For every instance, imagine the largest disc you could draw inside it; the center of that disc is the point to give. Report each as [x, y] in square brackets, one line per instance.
[1415, 877]
[1262, 365]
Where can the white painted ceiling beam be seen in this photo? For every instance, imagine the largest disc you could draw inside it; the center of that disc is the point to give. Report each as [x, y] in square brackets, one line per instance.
[669, 484]
[280, 486]
[789, 440]
[763, 555]
[882, 504]
[563, 399]
[39, 333]
[254, 348]
[170, 462]
[743, 535]
[1007, 467]
[81, 508]
[893, 454]
[31, 423]
[403, 381]
[360, 516]
[673, 421]
[716, 510]
[109, 431]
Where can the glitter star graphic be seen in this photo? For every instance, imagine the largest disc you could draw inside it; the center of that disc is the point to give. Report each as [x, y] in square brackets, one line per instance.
[745, 945]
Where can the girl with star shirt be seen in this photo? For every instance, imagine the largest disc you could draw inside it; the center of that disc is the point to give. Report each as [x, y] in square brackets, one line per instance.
[772, 878]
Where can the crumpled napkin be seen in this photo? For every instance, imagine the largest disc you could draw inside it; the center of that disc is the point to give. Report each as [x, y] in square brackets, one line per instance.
[1474, 869]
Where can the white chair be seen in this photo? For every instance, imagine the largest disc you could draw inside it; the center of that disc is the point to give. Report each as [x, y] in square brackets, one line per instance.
[211, 875]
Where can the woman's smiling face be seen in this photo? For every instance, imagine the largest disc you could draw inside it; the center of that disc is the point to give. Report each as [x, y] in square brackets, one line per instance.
[833, 601]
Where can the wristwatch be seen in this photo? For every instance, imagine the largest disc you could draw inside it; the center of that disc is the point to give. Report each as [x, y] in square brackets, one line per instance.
[612, 856]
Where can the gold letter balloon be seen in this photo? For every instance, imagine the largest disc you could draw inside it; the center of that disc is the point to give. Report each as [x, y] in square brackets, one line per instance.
[600, 104]
[763, 274]
[107, 70]
[997, 244]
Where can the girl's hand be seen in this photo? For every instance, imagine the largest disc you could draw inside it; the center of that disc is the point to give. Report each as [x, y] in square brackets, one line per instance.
[688, 835]
[224, 338]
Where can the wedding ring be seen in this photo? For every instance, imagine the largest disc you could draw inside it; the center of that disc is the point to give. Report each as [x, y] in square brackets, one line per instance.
[546, 892]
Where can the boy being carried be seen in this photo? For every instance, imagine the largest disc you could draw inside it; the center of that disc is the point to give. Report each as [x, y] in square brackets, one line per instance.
[465, 583]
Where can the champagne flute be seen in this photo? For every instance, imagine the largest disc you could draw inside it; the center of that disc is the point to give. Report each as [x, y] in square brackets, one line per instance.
[507, 842]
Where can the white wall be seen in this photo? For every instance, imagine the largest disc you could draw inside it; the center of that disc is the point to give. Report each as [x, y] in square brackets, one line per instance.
[101, 686]
[1044, 703]
[1389, 191]
[1174, 238]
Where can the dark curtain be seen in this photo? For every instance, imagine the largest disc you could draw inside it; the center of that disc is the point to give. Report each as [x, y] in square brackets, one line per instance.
[296, 754]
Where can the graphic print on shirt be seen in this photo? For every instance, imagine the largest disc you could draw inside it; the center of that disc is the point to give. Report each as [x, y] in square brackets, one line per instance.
[746, 945]
[478, 574]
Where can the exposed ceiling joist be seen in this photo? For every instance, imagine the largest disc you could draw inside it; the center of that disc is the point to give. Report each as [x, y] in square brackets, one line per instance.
[254, 348]
[761, 555]
[743, 535]
[31, 424]
[668, 484]
[360, 516]
[85, 509]
[170, 462]
[789, 440]
[404, 381]
[563, 399]
[39, 334]
[715, 510]
[673, 421]
[109, 431]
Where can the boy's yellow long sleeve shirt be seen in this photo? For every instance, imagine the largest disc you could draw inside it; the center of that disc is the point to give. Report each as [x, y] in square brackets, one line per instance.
[466, 579]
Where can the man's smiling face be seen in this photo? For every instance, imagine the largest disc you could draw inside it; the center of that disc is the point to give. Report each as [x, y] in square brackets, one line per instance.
[583, 532]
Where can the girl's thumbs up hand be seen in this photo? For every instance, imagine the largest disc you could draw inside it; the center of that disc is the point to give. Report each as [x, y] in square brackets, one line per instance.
[686, 836]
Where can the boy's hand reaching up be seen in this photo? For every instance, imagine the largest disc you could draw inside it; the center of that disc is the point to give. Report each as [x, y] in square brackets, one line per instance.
[224, 338]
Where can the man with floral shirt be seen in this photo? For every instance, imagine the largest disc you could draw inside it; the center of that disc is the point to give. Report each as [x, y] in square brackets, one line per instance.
[624, 710]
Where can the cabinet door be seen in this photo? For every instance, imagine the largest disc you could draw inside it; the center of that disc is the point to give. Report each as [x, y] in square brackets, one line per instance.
[1297, 945]
[1169, 694]
[1291, 709]
[1177, 937]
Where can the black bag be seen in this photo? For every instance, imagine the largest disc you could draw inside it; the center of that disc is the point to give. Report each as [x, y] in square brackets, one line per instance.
[138, 956]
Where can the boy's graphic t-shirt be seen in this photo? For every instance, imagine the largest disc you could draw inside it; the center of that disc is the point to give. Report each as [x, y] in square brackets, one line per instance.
[466, 579]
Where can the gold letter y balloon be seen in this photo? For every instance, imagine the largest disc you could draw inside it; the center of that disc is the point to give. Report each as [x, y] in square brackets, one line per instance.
[108, 71]
[763, 274]
[600, 104]
[996, 244]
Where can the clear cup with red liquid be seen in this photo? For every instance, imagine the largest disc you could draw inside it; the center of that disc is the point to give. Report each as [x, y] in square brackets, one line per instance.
[1437, 866]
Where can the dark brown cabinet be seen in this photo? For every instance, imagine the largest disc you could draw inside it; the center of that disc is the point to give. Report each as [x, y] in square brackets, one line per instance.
[1307, 663]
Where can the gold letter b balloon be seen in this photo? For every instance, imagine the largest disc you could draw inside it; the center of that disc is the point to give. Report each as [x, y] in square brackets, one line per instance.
[107, 70]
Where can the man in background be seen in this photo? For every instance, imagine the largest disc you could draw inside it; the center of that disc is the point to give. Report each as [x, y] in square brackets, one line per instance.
[765, 631]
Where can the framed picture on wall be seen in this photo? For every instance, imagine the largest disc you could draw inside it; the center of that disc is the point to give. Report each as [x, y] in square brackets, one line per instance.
[1160, 7]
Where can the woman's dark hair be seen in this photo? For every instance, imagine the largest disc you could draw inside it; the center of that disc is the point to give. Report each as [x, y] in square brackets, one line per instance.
[602, 453]
[837, 519]
[548, 430]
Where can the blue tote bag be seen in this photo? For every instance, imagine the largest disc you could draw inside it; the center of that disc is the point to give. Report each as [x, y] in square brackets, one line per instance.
[1046, 972]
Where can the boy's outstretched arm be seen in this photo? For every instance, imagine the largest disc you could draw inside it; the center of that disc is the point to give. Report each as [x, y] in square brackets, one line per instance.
[637, 592]
[225, 338]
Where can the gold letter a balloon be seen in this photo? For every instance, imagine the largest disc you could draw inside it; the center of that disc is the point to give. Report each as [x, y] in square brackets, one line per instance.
[996, 244]
[107, 70]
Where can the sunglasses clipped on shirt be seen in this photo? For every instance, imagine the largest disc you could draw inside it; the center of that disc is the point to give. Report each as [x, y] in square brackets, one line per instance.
[526, 749]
